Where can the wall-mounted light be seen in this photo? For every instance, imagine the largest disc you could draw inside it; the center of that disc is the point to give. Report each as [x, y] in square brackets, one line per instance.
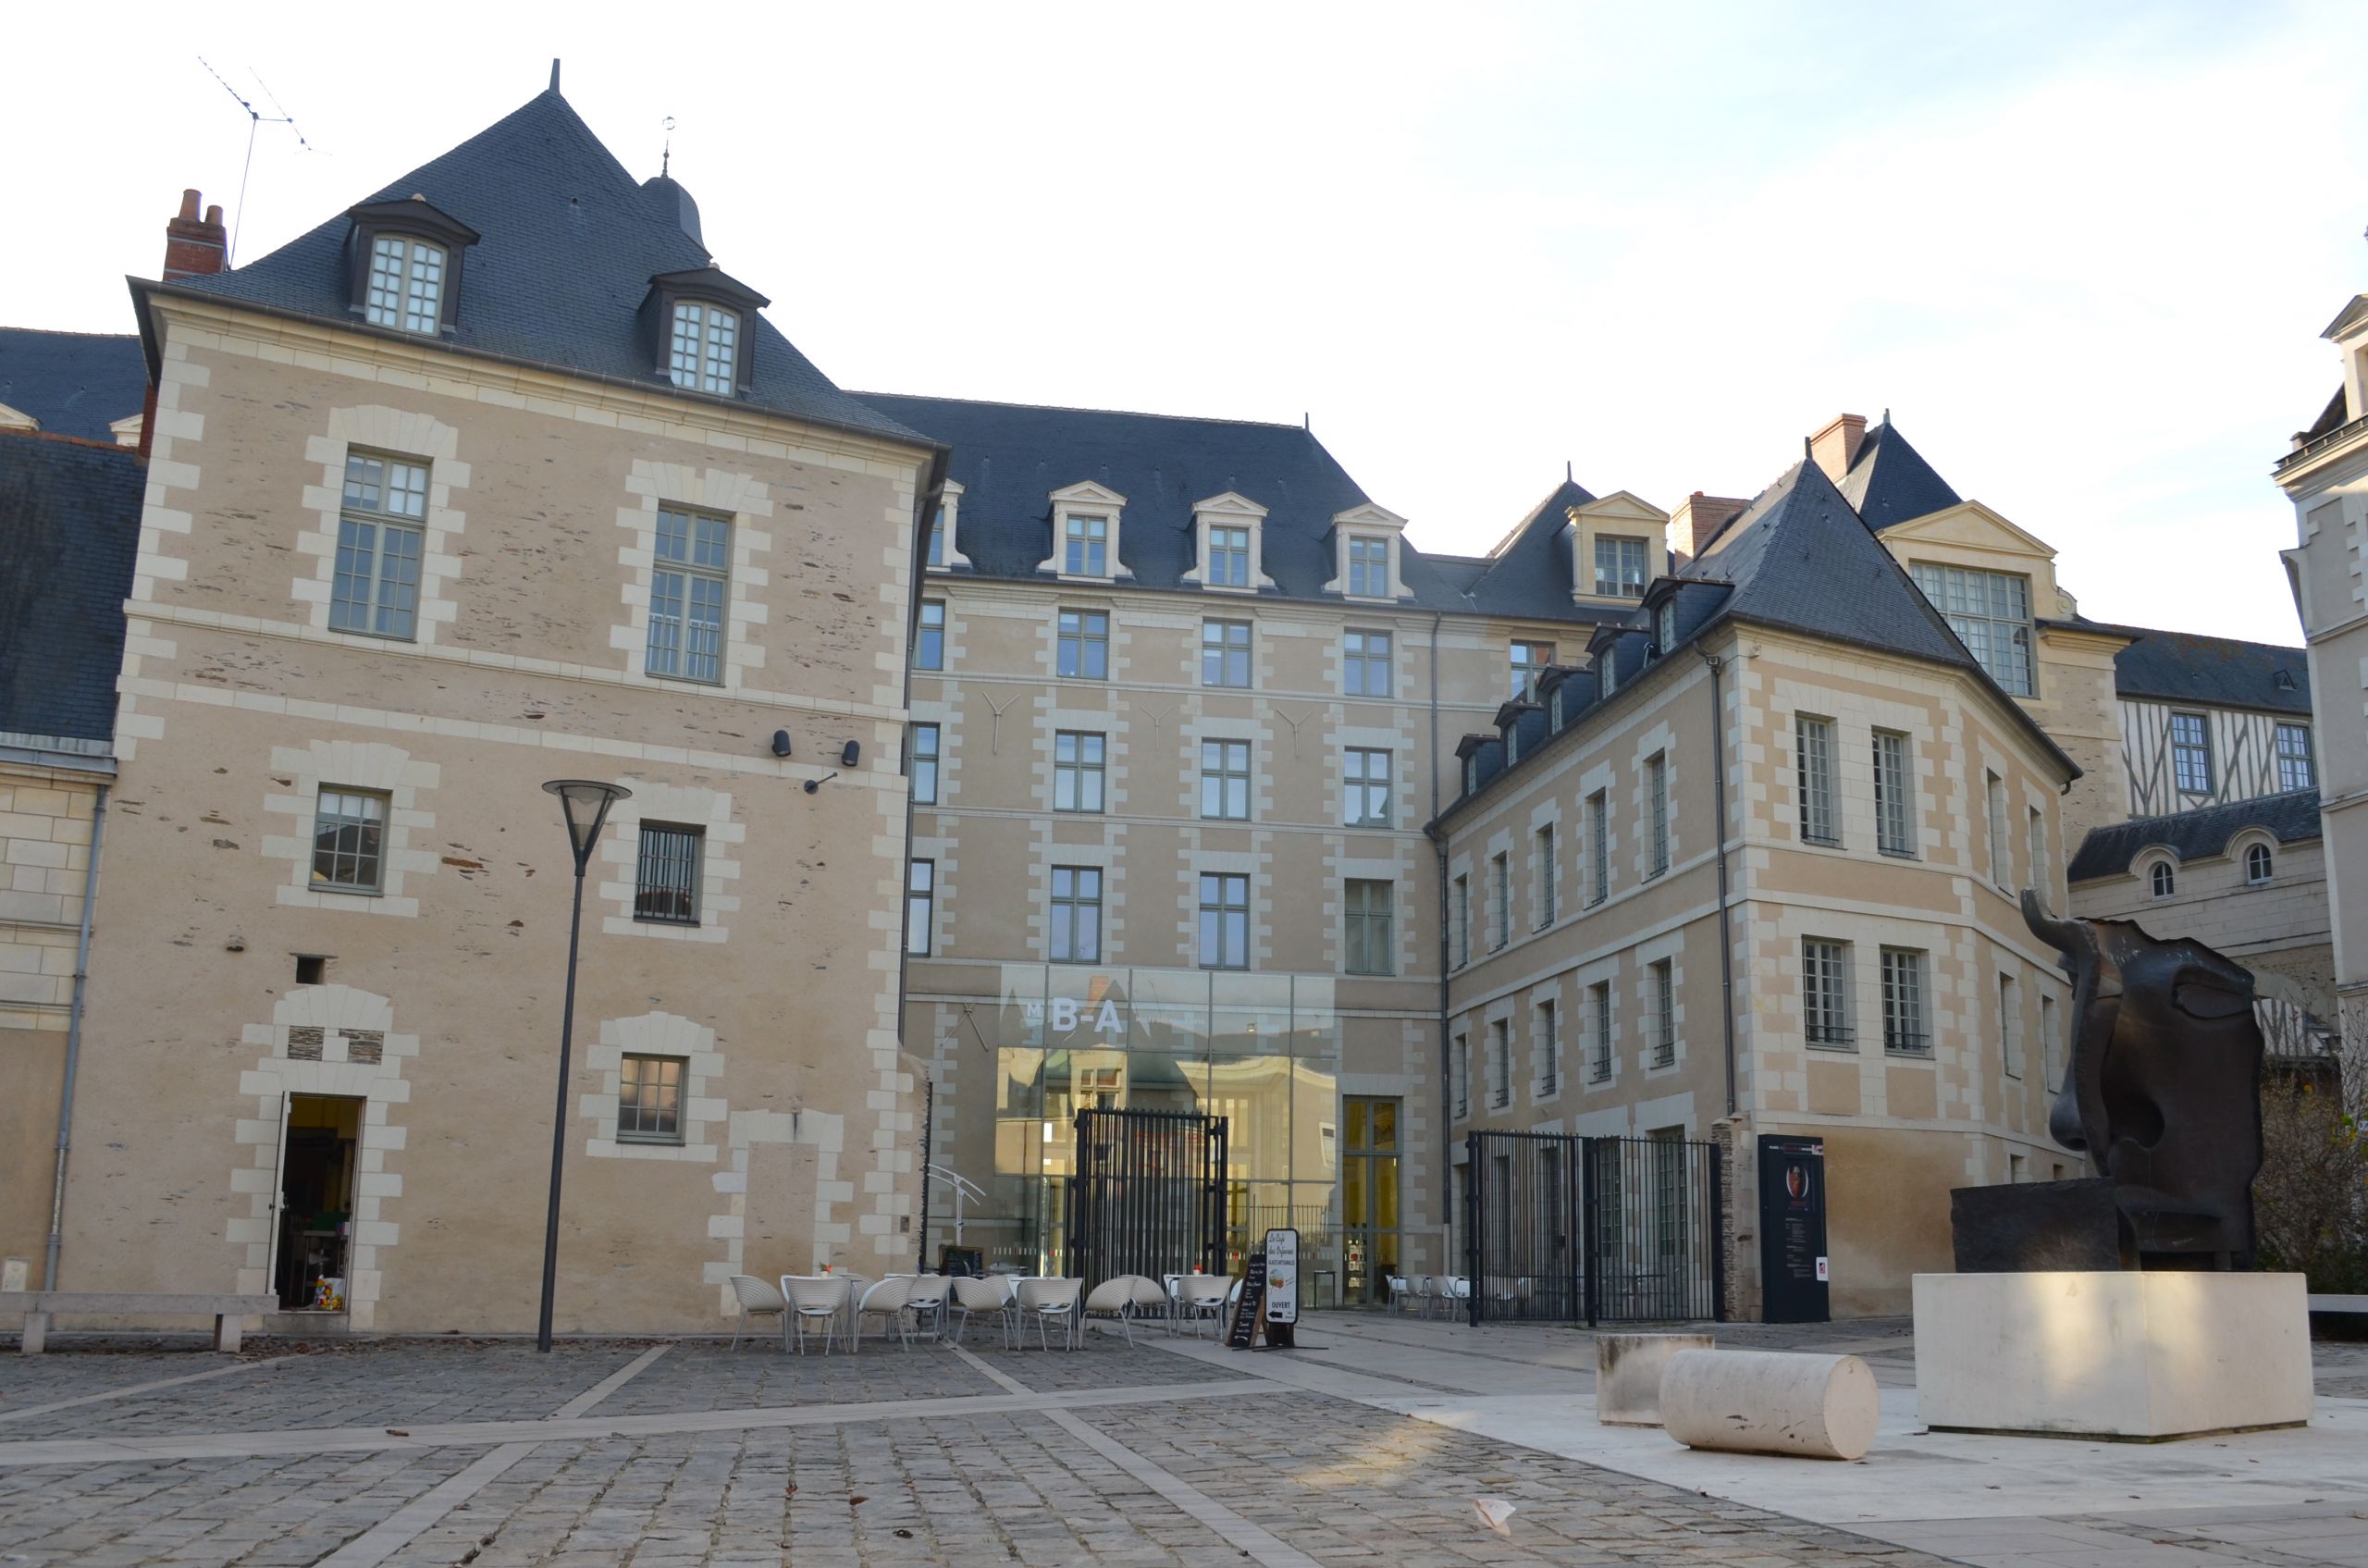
[812, 785]
[781, 742]
[848, 754]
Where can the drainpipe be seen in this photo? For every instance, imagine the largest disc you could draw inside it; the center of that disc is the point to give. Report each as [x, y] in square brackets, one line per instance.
[1446, 1068]
[1726, 939]
[73, 1043]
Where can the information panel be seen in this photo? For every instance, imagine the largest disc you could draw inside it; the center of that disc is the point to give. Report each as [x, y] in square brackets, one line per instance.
[1244, 1327]
[1282, 1286]
[1792, 1263]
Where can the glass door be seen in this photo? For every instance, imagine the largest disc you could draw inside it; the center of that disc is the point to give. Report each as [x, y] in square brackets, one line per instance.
[1369, 1200]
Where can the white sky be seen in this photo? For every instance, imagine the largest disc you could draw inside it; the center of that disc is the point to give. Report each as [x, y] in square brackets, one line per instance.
[2083, 252]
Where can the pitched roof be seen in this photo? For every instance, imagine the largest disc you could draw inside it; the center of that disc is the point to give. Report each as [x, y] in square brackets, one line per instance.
[2292, 818]
[74, 383]
[569, 245]
[69, 526]
[1529, 573]
[1889, 482]
[2215, 671]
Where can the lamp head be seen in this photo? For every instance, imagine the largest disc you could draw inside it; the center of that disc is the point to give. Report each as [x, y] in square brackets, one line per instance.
[781, 742]
[584, 804]
[849, 754]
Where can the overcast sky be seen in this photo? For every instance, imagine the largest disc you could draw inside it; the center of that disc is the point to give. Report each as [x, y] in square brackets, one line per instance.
[2081, 252]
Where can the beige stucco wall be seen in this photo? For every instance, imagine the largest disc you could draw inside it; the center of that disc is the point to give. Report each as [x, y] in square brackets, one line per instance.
[2278, 929]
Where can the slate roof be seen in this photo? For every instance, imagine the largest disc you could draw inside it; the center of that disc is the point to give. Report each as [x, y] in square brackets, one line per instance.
[69, 526]
[2292, 818]
[2214, 672]
[570, 244]
[74, 383]
[1889, 482]
[1528, 576]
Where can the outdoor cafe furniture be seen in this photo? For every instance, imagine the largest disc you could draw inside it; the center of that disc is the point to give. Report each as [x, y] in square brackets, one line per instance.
[1120, 1296]
[1049, 1301]
[1152, 1299]
[756, 1299]
[927, 1303]
[886, 1301]
[1399, 1292]
[816, 1300]
[979, 1297]
[1200, 1298]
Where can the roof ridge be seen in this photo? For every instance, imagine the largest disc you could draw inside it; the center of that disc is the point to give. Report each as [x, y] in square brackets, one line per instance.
[2249, 802]
[91, 441]
[70, 332]
[1080, 408]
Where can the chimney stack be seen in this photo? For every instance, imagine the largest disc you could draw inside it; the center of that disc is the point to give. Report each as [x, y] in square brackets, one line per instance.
[1836, 447]
[195, 247]
[1699, 518]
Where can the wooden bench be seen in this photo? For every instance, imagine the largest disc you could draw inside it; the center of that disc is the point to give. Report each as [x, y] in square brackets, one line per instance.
[40, 1306]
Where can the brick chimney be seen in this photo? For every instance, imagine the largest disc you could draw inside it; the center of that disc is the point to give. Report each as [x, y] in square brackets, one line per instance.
[1836, 446]
[1697, 519]
[195, 247]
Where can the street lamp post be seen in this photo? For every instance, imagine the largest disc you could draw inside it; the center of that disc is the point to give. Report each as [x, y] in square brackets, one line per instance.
[584, 805]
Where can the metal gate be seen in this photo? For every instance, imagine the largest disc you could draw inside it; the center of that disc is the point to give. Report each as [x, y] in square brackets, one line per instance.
[1561, 1228]
[1148, 1194]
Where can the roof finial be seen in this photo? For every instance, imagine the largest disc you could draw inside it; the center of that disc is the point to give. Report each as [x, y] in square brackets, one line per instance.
[1886, 416]
[1570, 474]
[666, 158]
[554, 73]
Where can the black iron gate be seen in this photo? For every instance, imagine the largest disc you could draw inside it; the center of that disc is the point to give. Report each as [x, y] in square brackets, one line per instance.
[1148, 1194]
[1562, 1228]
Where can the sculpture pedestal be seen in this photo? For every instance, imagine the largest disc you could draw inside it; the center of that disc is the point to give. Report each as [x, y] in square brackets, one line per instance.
[2119, 1353]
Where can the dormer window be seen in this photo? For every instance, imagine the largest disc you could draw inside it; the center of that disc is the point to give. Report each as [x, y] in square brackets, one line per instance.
[1087, 547]
[1607, 671]
[1087, 520]
[1618, 567]
[1229, 558]
[1226, 557]
[705, 353]
[1665, 624]
[1368, 568]
[1554, 709]
[403, 266]
[1366, 542]
[406, 284]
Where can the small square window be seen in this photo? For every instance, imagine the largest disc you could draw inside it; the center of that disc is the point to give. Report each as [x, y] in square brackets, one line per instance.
[311, 968]
[666, 883]
[650, 1100]
[348, 840]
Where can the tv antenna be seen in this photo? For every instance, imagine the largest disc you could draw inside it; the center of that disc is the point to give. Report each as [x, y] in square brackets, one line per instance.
[256, 120]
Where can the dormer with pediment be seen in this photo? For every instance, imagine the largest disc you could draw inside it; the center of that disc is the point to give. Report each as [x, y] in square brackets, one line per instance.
[944, 538]
[1975, 537]
[1085, 535]
[1228, 553]
[1618, 547]
[1366, 550]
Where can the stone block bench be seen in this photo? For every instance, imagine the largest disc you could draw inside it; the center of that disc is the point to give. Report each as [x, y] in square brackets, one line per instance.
[39, 1307]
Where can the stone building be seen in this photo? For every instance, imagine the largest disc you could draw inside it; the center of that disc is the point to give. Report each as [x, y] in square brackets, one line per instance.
[494, 478]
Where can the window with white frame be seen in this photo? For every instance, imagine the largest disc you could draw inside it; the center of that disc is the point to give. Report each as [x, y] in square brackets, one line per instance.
[650, 1099]
[1547, 889]
[1665, 624]
[1813, 764]
[2295, 769]
[1598, 847]
[1372, 941]
[686, 593]
[350, 840]
[2190, 754]
[380, 537]
[1368, 567]
[406, 289]
[1225, 653]
[704, 355]
[1085, 550]
[1664, 1020]
[1549, 1047]
[1224, 779]
[2010, 1025]
[1460, 921]
[1618, 567]
[1606, 670]
[1554, 709]
[924, 764]
[1991, 612]
[1365, 775]
[2002, 860]
[1228, 558]
[1364, 659]
[1599, 1005]
[1225, 920]
[920, 905]
[2161, 880]
[666, 874]
[1657, 805]
[1077, 915]
[2258, 866]
[1077, 771]
[1500, 901]
[1501, 1063]
[1894, 793]
[928, 644]
[1904, 1032]
[1825, 992]
[1082, 651]
[1529, 660]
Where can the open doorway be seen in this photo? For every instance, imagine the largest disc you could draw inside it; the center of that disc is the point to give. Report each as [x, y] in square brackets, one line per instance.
[320, 1151]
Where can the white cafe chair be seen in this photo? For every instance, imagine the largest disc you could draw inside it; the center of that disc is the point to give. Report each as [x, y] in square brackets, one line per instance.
[758, 1298]
[815, 1299]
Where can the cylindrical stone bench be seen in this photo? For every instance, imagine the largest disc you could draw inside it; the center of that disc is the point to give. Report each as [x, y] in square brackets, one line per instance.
[1763, 1401]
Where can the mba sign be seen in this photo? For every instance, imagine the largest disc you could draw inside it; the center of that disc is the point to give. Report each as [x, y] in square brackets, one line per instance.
[1066, 1014]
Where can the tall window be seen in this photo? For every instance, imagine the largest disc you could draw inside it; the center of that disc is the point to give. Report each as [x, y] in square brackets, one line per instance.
[1606, 670]
[1903, 1030]
[1549, 1047]
[1825, 992]
[1077, 915]
[1546, 887]
[1365, 664]
[920, 905]
[1500, 902]
[406, 284]
[1366, 774]
[650, 1100]
[1599, 1004]
[693, 551]
[378, 545]
[705, 354]
[1225, 921]
[1664, 1014]
[666, 878]
[1463, 1077]
[1077, 771]
[937, 538]
[2190, 754]
[924, 764]
[1991, 612]
[2051, 1061]
[1372, 945]
[2035, 848]
[2294, 768]
[1088, 547]
[1460, 921]
[2002, 861]
[2010, 1025]
[2163, 880]
[1657, 803]
[1665, 626]
[1368, 568]
[348, 840]
[1228, 558]
[1813, 760]
[1083, 651]
[1224, 779]
[928, 645]
[2258, 866]
[1598, 847]
[1501, 1063]
[1620, 568]
[1529, 660]
[1894, 794]
[1225, 653]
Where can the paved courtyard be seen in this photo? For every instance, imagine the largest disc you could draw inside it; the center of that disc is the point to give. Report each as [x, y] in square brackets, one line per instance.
[1366, 1448]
